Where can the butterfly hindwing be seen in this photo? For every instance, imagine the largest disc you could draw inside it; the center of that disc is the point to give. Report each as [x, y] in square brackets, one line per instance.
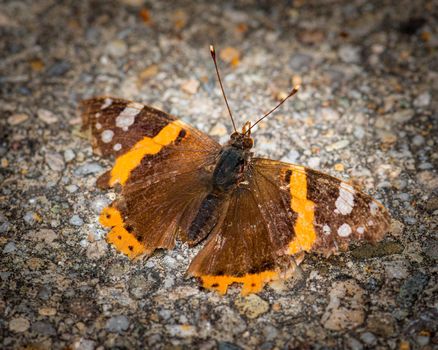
[248, 243]
[240, 250]
[162, 164]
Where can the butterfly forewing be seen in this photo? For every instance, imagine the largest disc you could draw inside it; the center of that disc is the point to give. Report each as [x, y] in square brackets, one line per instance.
[330, 212]
[162, 165]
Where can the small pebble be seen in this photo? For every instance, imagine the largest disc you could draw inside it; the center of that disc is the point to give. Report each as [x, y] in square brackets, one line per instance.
[148, 72]
[59, 68]
[251, 306]
[428, 179]
[291, 157]
[182, 331]
[314, 162]
[47, 311]
[19, 325]
[329, 114]
[338, 145]
[169, 282]
[354, 344]
[339, 167]
[117, 48]
[46, 235]
[422, 340]
[410, 220]
[97, 249]
[87, 169]
[46, 116]
[368, 338]
[418, 140]
[84, 344]
[300, 61]
[55, 161]
[99, 203]
[117, 324]
[9, 248]
[69, 155]
[218, 130]
[422, 100]
[190, 86]
[359, 132]
[349, 54]
[5, 226]
[76, 220]
[411, 288]
[16, 119]
[43, 328]
[346, 306]
[396, 269]
[431, 249]
[30, 217]
[169, 261]
[425, 166]
[71, 188]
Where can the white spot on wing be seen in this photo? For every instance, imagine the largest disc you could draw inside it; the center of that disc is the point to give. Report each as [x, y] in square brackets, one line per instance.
[107, 136]
[326, 229]
[360, 229]
[345, 202]
[344, 230]
[106, 103]
[374, 208]
[125, 119]
[98, 126]
[117, 147]
[136, 105]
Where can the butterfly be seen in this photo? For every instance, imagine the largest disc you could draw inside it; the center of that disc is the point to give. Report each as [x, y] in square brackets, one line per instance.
[257, 217]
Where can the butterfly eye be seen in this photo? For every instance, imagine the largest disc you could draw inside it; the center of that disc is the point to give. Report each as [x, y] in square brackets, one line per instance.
[248, 142]
[234, 135]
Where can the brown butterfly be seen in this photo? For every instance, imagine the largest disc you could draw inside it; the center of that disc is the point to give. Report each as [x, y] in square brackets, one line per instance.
[258, 216]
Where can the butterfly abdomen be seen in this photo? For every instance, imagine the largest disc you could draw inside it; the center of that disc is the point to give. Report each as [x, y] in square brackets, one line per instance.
[206, 218]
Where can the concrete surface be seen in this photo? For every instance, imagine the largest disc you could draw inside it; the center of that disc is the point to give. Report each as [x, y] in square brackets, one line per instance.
[367, 111]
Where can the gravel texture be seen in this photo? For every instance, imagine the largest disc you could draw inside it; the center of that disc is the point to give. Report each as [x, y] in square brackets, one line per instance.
[367, 111]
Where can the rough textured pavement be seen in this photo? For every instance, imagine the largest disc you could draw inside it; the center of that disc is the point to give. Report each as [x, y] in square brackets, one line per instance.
[367, 111]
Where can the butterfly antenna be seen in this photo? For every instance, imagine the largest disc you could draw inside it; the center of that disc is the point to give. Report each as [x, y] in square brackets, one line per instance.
[213, 55]
[293, 92]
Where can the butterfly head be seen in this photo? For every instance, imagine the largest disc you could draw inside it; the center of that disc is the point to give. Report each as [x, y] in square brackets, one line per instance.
[242, 140]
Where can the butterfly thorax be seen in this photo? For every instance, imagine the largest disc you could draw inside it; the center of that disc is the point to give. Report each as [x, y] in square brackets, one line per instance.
[232, 162]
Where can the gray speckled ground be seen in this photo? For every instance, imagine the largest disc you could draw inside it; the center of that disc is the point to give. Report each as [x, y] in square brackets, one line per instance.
[366, 111]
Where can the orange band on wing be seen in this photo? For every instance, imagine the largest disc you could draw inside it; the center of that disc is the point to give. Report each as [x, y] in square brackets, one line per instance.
[119, 236]
[305, 234]
[127, 162]
[252, 283]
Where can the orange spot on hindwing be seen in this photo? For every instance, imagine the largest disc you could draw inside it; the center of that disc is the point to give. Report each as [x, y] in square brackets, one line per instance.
[252, 283]
[305, 234]
[123, 240]
[127, 162]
